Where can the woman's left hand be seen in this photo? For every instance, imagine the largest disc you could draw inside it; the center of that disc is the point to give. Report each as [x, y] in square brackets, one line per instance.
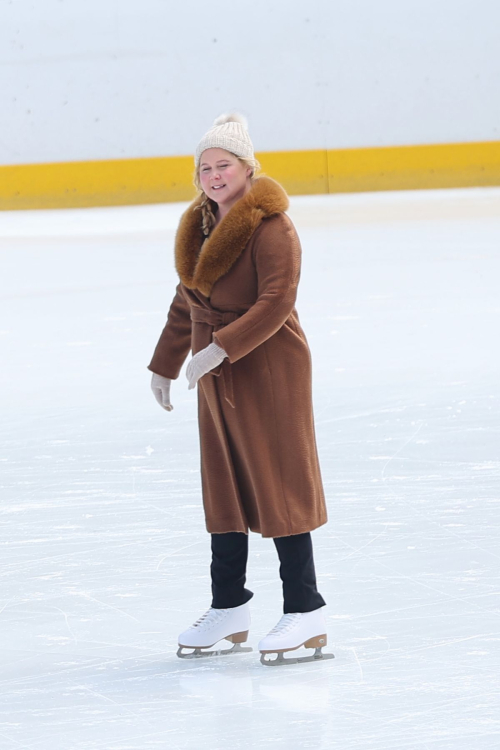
[209, 357]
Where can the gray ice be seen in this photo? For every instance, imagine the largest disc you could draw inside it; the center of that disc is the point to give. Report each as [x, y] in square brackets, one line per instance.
[104, 553]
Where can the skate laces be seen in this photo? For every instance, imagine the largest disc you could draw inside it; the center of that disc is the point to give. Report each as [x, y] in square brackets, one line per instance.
[286, 623]
[211, 616]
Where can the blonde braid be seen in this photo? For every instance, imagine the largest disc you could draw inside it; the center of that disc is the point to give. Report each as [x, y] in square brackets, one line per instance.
[207, 214]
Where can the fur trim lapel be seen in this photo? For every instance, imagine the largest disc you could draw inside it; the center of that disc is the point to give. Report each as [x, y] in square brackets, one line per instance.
[201, 268]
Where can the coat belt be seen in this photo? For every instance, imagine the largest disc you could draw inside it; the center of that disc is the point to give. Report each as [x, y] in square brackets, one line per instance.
[218, 320]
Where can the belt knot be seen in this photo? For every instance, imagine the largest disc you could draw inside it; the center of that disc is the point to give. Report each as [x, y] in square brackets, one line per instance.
[215, 318]
[218, 320]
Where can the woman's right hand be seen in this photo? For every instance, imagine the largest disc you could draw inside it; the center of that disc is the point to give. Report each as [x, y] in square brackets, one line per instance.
[161, 389]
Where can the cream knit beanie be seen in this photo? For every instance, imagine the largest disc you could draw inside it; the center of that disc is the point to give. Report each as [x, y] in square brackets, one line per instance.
[230, 133]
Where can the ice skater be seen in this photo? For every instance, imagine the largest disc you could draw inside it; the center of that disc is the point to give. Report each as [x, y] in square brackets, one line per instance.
[238, 256]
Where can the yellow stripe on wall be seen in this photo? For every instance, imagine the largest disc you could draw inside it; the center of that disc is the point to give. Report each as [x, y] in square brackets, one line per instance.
[164, 179]
[113, 182]
[414, 167]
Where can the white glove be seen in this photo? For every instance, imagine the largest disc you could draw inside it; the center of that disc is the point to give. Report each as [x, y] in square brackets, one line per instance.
[209, 357]
[161, 389]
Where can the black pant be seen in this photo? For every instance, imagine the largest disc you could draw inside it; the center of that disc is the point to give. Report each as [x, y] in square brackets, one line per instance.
[228, 571]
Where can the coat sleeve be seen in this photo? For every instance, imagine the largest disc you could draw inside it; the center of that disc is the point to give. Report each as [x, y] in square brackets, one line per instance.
[277, 255]
[175, 341]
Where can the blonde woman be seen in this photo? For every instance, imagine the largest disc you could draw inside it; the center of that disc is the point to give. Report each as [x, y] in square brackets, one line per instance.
[237, 255]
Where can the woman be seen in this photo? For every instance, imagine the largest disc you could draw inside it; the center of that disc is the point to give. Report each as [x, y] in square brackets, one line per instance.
[238, 259]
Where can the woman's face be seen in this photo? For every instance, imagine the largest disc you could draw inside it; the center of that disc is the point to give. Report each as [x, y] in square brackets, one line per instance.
[223, 177]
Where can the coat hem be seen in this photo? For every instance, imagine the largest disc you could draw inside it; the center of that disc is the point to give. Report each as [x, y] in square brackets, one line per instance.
[304, 528]
[296, 529]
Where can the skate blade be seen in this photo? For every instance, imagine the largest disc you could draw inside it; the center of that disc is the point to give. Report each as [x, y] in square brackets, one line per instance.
[200, 653]
[281, 660]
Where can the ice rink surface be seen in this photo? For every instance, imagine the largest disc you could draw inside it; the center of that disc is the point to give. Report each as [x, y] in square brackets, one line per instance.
[104, 553]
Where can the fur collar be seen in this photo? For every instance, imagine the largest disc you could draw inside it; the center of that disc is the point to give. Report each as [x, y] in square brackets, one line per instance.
[201, 262]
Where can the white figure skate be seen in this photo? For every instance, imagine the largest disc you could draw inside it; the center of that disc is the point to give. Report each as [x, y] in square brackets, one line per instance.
[293, 631]
[232, 624]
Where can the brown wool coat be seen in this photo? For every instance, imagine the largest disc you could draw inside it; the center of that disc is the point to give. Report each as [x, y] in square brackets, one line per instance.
[259, 463]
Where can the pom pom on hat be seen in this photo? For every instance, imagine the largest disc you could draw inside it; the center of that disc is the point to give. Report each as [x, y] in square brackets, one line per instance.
[233, 117]
[230, 133]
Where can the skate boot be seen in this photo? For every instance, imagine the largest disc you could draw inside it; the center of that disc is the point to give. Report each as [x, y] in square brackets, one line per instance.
[293, 631]
[232, 624]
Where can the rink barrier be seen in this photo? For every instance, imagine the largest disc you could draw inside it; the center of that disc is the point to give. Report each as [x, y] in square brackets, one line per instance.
[115, 182]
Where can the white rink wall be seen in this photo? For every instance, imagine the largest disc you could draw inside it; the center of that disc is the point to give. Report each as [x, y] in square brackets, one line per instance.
[93, 80]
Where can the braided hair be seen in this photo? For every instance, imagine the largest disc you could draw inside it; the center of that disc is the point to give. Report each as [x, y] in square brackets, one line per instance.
[207, 208]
